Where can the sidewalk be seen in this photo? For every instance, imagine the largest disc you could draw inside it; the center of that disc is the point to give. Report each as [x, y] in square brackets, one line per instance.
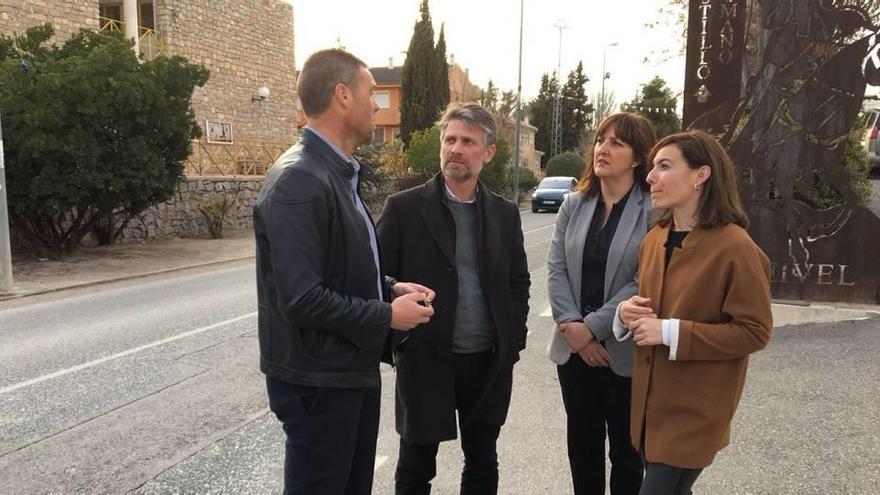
[105, 264]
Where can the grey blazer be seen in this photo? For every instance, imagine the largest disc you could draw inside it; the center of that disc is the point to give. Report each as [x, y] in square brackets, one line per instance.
[565, 262]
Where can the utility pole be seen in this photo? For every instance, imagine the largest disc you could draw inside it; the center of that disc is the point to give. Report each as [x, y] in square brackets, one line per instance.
[517, 130]
[557, 124]
[605, 75]
[5, 248]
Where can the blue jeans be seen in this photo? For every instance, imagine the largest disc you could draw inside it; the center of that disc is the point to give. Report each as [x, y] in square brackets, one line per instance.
[331, 437]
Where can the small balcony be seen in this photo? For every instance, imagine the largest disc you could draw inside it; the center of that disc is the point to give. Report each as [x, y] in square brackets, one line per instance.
[150, 42]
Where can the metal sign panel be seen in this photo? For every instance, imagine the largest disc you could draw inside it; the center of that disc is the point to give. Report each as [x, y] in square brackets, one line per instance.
[788, 141]
[715, 53]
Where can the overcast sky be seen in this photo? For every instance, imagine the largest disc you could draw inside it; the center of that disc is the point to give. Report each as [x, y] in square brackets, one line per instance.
[484, 35]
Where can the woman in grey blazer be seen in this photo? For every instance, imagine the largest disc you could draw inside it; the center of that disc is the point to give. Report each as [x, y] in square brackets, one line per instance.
[592, 263]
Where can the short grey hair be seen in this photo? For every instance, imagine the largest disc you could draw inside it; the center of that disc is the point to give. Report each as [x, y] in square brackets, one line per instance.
[320, 75]
[473, 115]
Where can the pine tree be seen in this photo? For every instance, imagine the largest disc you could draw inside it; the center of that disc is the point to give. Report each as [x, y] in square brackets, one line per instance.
[575, 109]
[657, 102]
[540, 111]
[489, 96]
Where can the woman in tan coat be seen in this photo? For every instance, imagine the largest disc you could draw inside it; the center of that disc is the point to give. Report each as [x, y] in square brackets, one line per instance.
[703, 306]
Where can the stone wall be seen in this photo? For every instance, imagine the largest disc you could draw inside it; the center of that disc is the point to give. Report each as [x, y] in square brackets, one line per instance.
[246, 44]
[66, 16]
[180, 216]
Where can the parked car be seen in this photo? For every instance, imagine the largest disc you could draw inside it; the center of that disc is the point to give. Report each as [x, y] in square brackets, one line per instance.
[550, 193]
[872, 127]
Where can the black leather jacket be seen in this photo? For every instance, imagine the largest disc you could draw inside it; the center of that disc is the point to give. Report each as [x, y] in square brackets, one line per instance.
[320, 320]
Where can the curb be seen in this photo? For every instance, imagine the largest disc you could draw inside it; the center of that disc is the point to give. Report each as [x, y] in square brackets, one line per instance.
[49, 290]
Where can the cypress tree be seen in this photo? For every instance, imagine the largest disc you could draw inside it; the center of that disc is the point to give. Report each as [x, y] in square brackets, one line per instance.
[417, 110]
[441, 79]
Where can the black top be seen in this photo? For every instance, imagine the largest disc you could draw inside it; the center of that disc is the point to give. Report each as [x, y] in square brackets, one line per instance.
[596, 246]
[676, 237]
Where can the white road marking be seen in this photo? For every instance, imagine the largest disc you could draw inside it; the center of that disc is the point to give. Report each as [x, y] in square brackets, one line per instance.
[548, 226]
[62, 372]
[380, 459]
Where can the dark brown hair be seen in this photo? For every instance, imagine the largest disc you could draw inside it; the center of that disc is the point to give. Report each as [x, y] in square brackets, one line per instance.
[634, 130]
[321, 73]
[719, 196]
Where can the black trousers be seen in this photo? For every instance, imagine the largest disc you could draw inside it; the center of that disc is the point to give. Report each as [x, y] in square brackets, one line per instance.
[597, 400]
[331, 437]
[662, 479]
[417, 464]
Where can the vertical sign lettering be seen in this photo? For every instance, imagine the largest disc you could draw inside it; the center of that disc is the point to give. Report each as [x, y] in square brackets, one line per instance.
[715, 53]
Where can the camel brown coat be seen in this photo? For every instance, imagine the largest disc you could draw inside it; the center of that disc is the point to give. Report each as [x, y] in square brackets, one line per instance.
[718, 286]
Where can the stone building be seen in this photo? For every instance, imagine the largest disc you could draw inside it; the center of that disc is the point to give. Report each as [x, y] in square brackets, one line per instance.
[248, 108]
[530, 157]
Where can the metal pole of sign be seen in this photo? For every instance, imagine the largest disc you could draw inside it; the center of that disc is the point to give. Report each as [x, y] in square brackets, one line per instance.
[5, 248]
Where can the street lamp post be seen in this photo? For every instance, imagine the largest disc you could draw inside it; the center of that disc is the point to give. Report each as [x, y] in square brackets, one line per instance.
[5, 248]
[516, 132]
[605, 75]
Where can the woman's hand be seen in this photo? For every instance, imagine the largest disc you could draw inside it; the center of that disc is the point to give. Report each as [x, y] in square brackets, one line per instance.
[634, 308]
[647, 331]
[576, 335]
[594, 354]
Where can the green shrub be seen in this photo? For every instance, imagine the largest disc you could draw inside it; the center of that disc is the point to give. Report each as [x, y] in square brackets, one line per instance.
[568, 164]
[527, 179]
[93, 136]
[496, 174]
[423, 153]
[215, 211]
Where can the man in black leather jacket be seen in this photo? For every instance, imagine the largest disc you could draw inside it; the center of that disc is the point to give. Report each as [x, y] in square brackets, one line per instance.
[324, 314]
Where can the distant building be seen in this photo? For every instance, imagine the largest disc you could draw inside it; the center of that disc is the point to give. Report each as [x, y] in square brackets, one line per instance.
[387, 96]
[530, 157]
[248, 108]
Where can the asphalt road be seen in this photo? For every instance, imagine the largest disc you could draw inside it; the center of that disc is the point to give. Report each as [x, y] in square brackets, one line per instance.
[152, 386]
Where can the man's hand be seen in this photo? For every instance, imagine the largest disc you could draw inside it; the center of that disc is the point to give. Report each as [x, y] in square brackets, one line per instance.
[401, 288]
[634, 308]
[647, 331]
[408, 310]
[576, 335]
[594, 354]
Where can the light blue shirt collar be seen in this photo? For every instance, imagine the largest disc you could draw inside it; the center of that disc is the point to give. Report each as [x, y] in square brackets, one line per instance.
[348, 158]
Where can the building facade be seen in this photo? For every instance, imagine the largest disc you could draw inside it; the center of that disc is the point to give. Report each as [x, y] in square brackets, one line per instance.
[530, 157]
[247, 110]
[387, 96]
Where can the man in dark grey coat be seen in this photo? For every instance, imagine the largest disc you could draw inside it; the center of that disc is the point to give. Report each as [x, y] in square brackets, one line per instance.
[324, 315]
[454, 235]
